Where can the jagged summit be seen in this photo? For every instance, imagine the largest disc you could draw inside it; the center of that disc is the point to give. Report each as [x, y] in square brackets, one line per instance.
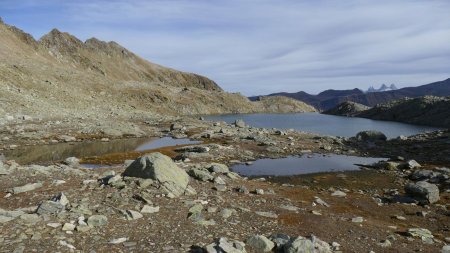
[382, 88]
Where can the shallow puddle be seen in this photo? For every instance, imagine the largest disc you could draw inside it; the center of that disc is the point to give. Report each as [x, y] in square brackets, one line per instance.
[164, 142]
[306, 164]
[60, 151]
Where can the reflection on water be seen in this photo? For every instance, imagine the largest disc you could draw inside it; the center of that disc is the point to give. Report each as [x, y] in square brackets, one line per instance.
[306, 164]
[164, 142]
[60, 151]
[324, 124]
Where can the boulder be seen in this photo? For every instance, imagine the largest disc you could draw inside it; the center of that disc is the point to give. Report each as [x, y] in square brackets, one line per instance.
[260, 243]
[160, 168]
[218, 168]
[26, 188]
[200, 174]
[50, 207]
[371, 136]
[72, 162]
[410, 164]
[305, 245]
[97, 220]
[239, 123]
[222, 245]
[423, 191]
[3, 169]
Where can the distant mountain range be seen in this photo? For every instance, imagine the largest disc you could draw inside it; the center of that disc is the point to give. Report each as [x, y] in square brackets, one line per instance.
[331, 98]
[383, 87]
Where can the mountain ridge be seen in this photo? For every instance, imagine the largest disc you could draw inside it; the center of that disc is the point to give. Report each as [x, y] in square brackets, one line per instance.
[336, 97]
[60, 75]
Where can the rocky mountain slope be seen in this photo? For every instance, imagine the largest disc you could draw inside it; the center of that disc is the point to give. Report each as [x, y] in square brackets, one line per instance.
[59, 75]
[331, 98]
[427, 110]
[348, 109]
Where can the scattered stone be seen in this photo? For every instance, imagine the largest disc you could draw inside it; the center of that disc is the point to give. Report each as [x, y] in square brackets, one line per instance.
[68, 227]
[26, 188]
[357, 219]
[219, 180]
[161, 168]
[54, 224]
[65, 244]
[445, 249]
[371, 136]
[267, 214]
[200, 174]
[239, 123]
[422, 233]
[319, 201]
[30, 218]
[243, 189]
[97, 220]
[279, 240]
[61, 198]
[259, 192]
[227, 213]
[338, 194]
[118, 240]
[50, 207]
[260, 243]
[220, 187]
[411, 164]
[305, 245]
[290, 208]
[222, 245]
[150, 209]
[218, 168]
[72, 162]
[385, 243]
[132, 215]
[423, 191]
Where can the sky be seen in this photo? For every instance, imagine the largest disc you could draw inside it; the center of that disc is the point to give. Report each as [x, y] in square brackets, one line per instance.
[264, 46]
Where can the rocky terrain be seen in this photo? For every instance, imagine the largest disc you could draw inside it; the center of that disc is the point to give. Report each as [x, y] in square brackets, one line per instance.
[186, 199]
[329, 99]
[428, 110]
[71, 180]
[59, 75]
[348, 109]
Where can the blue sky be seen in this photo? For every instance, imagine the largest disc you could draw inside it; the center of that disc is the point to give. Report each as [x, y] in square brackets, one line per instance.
[264, 46]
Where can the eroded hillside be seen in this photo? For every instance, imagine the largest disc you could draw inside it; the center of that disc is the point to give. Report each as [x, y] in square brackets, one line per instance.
[59, 75]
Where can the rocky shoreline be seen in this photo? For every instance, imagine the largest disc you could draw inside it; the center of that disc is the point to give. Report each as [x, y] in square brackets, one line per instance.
[203, 207]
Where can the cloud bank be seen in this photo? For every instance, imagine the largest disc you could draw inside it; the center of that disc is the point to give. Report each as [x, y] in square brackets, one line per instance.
[264, 46]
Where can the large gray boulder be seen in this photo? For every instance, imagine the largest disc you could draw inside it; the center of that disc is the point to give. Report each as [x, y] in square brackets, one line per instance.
[371, 136]
[3, 170]
[305, 245]
[162, 169]
[260, 243]
[423, 191]
[222, 245]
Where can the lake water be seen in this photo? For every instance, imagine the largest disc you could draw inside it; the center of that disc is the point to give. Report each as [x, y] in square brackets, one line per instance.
[60, 151]
[306, 164]
[324, 124]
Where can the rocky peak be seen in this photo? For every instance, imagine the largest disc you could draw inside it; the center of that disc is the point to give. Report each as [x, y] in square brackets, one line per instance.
[61, 41]
[110, 48]
[21, 35]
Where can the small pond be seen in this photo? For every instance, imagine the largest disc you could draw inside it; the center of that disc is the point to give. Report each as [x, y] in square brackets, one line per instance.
[60, 151]
[306, 164]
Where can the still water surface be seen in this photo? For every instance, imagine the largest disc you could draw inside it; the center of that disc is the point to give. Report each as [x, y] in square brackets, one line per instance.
[306, 164]
[60, 151]
[324, 124]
